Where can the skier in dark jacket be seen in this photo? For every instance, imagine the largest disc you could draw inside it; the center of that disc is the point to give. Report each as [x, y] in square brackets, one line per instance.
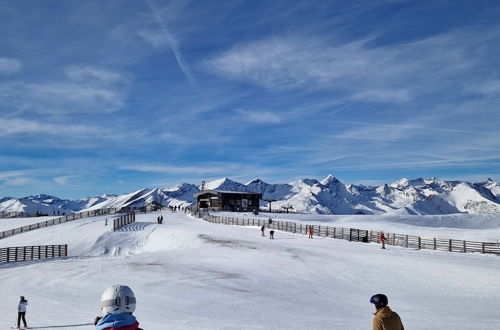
[385, 318]
[262, 230]
[21, 312]
[117, 306]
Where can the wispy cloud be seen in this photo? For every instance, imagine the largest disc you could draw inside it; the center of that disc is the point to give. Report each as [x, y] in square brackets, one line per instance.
[166, 37]
[86, 89]
[360, 69]
[90, 74]
[9, 65]
[63, 180]
[174, 169]
[259, 117]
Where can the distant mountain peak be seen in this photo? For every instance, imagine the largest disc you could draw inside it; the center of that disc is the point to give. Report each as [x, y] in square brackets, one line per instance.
[329, 179]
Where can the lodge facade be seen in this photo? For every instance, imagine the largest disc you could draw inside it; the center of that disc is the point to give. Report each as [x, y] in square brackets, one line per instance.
[233, 201]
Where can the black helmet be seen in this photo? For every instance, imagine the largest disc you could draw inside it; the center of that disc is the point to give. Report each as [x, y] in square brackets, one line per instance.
[379, 300]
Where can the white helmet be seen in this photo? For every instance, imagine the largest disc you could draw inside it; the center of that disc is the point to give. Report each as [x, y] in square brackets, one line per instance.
[118, 299]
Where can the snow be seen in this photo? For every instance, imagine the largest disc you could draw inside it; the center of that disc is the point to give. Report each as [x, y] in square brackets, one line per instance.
[6, 224]
[191, 274]
[329, 196]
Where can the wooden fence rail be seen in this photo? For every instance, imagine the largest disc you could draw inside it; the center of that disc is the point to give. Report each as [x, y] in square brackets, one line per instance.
[55, 221]
[361, 235]
[123, 221]
[25, 253]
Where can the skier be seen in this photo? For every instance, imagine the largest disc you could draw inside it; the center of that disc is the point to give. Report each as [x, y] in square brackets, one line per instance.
[385, 318]
[310, 231]
[262, 230]
[271, 234]
[21, 312]
[117, 306]
[382, 239]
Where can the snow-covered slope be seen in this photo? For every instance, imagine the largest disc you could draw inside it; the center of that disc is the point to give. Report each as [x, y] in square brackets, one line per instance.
[328, 196]
[191, 274]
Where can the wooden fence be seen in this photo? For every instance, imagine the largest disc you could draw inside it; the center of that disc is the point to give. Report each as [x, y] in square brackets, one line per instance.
[360, 235]
[123, 221]
[56, 221]
[25, 253]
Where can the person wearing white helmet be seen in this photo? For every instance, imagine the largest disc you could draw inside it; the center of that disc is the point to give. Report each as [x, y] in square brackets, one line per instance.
[117, 306]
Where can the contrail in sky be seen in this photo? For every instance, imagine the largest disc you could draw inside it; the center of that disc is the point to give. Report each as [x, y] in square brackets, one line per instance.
[172, 43]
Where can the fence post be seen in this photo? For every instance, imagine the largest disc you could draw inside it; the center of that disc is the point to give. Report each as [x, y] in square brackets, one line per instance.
[8, 254]
[482, 247]
[419, 243]
[435, 244]
[449, 245]
[406, 241]
[465, 247]
[326, 235]
[350, 234]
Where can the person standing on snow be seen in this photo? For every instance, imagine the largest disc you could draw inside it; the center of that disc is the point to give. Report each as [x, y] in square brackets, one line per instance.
[385, 318]
[262, 230]
[117, 306]
[310, 231]
[382, 239]
[271, 234]
[21, 312]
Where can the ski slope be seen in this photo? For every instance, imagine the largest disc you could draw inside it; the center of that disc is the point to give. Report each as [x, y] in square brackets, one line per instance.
[190, 274]
[11, 223]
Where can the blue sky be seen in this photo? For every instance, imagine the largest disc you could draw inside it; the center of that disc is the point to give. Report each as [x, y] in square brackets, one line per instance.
[112, 96]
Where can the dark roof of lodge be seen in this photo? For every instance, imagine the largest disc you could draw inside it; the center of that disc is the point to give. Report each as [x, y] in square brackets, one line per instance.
[214, 191]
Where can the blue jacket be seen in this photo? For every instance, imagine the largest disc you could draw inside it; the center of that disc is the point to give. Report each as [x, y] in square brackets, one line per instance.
[115, 321]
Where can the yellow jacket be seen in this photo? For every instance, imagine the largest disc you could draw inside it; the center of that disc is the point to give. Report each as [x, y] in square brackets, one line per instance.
[386, 319]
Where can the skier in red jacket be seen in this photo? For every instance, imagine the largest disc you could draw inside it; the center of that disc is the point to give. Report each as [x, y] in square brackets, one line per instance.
[382, 239]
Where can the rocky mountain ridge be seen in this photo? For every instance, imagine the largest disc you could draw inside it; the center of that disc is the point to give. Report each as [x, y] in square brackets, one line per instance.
[328, 196]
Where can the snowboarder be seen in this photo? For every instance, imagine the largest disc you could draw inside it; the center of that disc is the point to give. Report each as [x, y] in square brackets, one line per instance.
[117, 306]
[385, 318]
[382, 239]
[161, 219]
[271, 234]
[310, 231]
[262, 230]
[21, 312]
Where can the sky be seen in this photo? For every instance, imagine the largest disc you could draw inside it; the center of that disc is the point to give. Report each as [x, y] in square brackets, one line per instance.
[112, 96]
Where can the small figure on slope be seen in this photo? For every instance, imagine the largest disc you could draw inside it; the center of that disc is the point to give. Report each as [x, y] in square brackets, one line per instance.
[117, 306]
[271, 234]
[262, 230]
[310, 231]
[21, 312]
[382, 239]
[385, 318]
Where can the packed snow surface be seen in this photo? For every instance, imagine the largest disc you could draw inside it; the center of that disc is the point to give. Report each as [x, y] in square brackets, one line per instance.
[191, 274]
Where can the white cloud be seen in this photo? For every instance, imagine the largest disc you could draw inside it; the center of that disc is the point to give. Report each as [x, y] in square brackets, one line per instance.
[9, 65]
[10, 127]
[259, 117]
[61, 97]
[63, 180]
[90, 74]
[393, 73]
[154, 38]
[174, 169]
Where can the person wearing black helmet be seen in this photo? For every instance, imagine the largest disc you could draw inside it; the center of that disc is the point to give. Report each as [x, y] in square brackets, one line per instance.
[385, 318]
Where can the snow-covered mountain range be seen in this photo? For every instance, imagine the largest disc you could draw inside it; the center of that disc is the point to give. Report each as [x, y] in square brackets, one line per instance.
[328, 196]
